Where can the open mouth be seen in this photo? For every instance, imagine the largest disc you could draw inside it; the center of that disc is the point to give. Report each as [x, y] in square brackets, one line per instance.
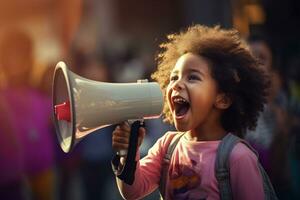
[181, 106]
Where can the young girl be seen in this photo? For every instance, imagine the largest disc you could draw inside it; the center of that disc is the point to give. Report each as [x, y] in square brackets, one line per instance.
[213, 86]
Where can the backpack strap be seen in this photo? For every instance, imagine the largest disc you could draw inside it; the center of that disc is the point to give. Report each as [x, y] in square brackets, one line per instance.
[222, 165]
[222, 168]
[166, 163]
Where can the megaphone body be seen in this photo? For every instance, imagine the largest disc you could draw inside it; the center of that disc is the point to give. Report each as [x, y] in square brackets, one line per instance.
[81, 106]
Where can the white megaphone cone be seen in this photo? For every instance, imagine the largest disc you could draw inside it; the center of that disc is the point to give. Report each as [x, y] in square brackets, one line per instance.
[81, 106]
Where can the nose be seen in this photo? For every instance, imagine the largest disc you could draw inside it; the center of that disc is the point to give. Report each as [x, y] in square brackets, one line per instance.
[178, 85]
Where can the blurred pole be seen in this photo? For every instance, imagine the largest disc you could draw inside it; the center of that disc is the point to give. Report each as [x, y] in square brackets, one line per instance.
[70, 12]
[212, 12]
[105, 14]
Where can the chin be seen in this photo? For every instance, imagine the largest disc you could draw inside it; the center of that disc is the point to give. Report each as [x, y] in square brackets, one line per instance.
[181, 128]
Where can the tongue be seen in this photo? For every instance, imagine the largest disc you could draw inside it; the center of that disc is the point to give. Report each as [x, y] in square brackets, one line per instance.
[182, 110]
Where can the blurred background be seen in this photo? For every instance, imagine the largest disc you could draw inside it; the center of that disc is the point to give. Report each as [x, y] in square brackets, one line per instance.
[116, 41]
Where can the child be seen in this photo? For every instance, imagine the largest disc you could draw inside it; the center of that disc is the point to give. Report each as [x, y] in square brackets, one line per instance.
[213, 86]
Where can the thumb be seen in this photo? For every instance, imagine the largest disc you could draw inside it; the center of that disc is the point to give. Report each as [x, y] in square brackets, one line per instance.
[142, 133]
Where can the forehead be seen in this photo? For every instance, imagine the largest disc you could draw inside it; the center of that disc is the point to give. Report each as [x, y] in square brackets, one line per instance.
[192, 62]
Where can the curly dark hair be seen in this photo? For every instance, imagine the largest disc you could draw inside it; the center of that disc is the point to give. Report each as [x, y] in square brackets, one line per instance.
[232, 65]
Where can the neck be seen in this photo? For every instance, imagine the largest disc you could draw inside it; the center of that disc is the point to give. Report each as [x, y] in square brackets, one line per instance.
[208, 131]
[206, 136]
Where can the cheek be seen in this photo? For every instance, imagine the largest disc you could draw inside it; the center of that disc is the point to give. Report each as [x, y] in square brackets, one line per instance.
[168, 96]
[203, 100]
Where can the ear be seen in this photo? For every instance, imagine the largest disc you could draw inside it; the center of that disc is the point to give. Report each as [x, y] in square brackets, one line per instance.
[223, 101]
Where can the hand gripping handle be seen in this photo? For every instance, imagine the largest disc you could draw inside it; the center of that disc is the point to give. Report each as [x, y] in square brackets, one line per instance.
[128, 171]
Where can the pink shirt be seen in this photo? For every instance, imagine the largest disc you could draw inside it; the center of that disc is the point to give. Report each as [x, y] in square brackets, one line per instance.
[192, 171]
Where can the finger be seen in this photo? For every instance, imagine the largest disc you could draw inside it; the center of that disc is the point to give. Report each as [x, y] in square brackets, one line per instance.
[121, 133]
[125, 126]
[119, 139]
[123, 160]
[119, 146]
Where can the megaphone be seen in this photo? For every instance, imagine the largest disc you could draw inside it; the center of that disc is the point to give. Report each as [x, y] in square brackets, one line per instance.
[81, 106]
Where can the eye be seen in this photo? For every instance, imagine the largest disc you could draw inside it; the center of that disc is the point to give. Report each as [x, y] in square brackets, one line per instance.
[193, 77]
[173, 77]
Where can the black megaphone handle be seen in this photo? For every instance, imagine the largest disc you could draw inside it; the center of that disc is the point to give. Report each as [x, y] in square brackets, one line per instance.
[128, 171]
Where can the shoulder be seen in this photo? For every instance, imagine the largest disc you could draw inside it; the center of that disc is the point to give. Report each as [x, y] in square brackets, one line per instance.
[163, 142]
[242, 153]
[167, 137]
[245, 177]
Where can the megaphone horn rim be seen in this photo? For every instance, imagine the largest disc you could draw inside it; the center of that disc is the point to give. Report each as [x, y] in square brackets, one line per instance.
[62, 68]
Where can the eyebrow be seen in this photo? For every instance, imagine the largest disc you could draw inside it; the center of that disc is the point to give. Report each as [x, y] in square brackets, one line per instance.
[195, 70]
[189, 70]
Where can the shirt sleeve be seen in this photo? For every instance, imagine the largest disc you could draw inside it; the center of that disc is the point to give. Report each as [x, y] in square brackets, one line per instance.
[246, 180]
[147, 173]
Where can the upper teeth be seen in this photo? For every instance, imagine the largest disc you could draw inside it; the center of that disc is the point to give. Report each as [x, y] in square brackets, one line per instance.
[179, 100]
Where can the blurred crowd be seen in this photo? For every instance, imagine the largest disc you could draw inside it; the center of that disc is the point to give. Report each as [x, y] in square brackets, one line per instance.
[32, 164]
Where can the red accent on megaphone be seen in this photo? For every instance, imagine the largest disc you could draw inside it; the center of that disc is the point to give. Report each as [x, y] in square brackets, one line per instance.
[62, 111]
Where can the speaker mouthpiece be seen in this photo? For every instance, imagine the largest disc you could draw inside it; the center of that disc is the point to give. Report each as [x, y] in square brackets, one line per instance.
[62, 111]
